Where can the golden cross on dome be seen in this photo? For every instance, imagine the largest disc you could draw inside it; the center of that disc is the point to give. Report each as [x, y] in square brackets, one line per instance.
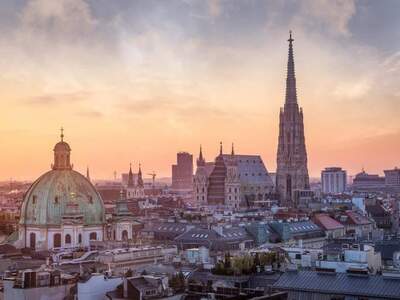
[62, 134]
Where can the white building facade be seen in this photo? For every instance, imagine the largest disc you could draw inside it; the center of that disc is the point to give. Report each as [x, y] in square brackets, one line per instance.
[333, 180]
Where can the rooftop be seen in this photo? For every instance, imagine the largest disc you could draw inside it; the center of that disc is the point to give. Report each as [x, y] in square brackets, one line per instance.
[327, 222]
[340, 284]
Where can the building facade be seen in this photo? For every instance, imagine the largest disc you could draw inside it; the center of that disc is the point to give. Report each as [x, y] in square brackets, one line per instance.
[364, 182]
[135, 188]
[232, 180]
[292, 172]
[182, 172]
[333, 180]
[392, 179]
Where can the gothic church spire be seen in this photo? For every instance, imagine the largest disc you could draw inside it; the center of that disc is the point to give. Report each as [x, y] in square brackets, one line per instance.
[291, 92]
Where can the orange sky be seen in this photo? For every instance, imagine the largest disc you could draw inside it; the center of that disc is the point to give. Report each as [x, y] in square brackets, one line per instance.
[125, 95]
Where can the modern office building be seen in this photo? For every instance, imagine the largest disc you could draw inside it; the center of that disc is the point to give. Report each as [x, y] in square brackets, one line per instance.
[333, 180]
[182, 172]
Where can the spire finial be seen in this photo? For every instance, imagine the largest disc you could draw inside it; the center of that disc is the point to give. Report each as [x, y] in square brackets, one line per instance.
[291, 93]
[233, 150]
[220, 148]
[62, 134]
[290, 40]
[201, 153]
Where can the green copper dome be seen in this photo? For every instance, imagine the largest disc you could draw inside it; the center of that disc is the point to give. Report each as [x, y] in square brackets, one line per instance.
[51, 195]
[62, 194]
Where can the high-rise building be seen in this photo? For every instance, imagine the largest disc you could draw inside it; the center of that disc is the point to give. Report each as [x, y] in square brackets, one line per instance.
[292, 172]
[182, 172]
[333, 180]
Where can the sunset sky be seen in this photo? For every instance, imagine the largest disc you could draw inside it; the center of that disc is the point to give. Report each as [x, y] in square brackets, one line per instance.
[138, 81]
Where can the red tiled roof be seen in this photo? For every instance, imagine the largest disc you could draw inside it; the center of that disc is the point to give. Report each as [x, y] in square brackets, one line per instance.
[357, 218]
[327, 222]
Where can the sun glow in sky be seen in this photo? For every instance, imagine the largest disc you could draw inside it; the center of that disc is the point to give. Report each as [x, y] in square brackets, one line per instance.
[137, 81]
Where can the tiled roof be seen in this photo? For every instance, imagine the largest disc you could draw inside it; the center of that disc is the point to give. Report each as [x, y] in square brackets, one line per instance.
[340, 284]
[357, 218]
[327, 222]
[251, 169]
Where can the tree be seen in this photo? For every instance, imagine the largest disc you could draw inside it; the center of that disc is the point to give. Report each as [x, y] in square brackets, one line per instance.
[227, 261]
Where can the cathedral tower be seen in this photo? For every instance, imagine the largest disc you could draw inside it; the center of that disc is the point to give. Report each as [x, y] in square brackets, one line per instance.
[292, 172]
[200, 181]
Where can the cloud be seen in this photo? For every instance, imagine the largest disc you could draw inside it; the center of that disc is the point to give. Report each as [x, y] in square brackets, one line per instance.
[335, 15]
[90, 114]
[353, 89]
[214, 8]
[61, 17]
[59, 98]
[182, 107]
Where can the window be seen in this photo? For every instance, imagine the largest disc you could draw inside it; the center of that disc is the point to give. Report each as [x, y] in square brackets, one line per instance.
[34, 198]
[32, 240]
[80, 238]
[93, 236]
[125, 235]
[68, 239]
[56, 200]
[90, 199]
[57, 240]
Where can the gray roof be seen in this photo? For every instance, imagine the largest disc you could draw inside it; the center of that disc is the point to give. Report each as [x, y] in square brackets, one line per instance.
[251, 169]
[302, 226]
[166, 227]
[340, 284]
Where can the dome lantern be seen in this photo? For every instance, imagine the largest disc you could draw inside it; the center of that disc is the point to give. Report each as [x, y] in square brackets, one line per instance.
[62, 153]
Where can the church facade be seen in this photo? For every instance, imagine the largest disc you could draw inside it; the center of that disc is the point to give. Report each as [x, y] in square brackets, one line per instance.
[232, 180]
[135, 188]
[292, 173]
[62, 209]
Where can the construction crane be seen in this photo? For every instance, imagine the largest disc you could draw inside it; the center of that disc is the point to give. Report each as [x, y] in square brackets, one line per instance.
[153, 177]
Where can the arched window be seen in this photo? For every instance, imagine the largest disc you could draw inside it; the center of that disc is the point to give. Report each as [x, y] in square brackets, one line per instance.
[57, 240]
[80, 238]
[32, 240]
[93, 236]
[68, 239]
[125, 235]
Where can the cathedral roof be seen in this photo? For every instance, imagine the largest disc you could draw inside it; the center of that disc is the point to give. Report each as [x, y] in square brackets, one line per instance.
[251, 168]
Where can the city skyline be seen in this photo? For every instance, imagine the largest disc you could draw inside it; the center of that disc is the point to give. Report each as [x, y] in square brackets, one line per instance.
[141, 87]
